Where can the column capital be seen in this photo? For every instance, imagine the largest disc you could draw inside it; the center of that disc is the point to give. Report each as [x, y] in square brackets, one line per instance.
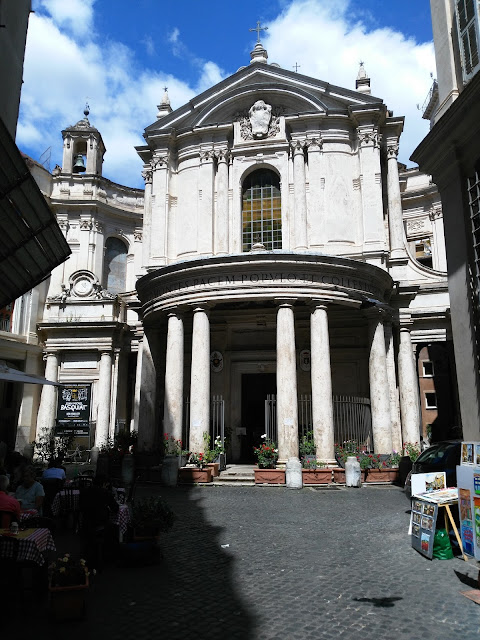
[222, 155]
[392, 150]
[314, 144]
[285, 302]
[147, 175]
[368, 137]
[203, 307]
[175, 313]
[317, 304]
[206, 156]
[106, 352]
[297, 147]
[160, 160]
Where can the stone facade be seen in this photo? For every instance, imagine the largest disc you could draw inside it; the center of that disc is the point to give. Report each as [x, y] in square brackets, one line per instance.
[270, 264]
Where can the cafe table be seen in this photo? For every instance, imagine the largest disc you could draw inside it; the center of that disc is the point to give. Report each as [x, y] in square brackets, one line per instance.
[66, 500]
[29, 545]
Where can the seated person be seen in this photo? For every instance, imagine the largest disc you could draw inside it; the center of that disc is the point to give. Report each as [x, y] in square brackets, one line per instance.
[30, 493]
[8, 503]
[54, 470]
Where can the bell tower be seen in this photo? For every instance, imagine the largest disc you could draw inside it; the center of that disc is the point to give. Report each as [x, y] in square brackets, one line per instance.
[83, 148]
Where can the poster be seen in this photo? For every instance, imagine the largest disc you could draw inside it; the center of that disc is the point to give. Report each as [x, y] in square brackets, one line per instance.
[476, 515]
[426, 482]
[476, 483]
[477, 454]
[466, 529]
[73, 409]
[424, 517]
[467, 453]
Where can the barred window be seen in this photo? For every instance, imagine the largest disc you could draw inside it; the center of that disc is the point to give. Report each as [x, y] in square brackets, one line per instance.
[261, 210]
[474, 204]
[467, 21]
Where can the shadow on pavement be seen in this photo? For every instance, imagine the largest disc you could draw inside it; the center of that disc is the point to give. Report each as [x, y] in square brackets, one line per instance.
[379, 602]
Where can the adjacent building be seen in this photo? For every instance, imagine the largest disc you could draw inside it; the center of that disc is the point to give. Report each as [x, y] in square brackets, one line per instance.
[451, 154]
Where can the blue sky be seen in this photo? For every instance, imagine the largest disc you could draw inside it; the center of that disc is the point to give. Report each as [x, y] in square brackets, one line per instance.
[119, 54]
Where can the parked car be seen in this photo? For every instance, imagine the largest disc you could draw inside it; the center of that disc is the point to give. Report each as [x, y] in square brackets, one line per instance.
[441, 456]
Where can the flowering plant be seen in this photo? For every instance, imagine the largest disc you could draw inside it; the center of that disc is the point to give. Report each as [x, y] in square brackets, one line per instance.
[307, 445]
[68, 572]
[266, 453]
[349, 448]
[171, 446]
[395, 458]
[218, 448]
[370, 461]
[198, 459]
[309, 463]
[412, 450]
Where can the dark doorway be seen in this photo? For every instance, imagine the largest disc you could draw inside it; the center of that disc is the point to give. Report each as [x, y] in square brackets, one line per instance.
[255, 388]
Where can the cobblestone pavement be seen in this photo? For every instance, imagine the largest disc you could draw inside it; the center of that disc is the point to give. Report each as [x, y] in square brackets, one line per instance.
[268, 563]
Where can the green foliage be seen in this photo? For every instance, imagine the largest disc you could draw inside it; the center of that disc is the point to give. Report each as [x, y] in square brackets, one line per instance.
[50, 446]
[152, 512]
[266, 454]
[199, 459]
[348, 448]
[412, 450]
[67, 572]
[307, 445]
[172, 447]
[312, 463]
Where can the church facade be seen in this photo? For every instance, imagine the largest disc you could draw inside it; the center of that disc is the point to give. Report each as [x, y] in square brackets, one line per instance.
[281, 273]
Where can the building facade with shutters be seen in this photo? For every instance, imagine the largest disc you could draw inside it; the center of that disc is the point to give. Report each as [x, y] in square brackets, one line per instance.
[280, 273]
[451, 154]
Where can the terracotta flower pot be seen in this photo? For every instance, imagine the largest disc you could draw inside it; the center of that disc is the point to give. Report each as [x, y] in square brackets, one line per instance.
[193, 475]
[338, 475]
[68, 603]
[269, 476]
[215, 467]
[382, 475]
[317, 476]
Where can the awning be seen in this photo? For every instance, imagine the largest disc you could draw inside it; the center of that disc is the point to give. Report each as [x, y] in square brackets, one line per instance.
[14, 375]
[31, 242]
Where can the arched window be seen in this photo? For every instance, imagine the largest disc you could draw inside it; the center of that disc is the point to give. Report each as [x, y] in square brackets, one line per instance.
[261, 210]
[115, 265]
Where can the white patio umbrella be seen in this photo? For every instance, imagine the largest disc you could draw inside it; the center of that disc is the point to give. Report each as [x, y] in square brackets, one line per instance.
[14, 375]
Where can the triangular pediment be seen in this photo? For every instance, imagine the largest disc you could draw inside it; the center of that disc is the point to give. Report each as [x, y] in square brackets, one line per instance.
[289, 92]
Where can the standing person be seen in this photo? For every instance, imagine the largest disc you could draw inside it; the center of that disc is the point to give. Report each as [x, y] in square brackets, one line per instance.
[30, 493]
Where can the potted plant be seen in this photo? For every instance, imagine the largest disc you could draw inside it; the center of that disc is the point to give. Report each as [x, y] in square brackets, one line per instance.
[67, 585]
[219, 453]
[150, 517]
[307, 447]
[315, 472]
[197, 471]
[267, 456]
[378, 468]
[411, 451]
[209, 456]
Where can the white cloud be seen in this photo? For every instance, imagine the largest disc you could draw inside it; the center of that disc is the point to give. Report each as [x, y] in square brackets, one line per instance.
[73, 15]
[63, 70]
[328, 44]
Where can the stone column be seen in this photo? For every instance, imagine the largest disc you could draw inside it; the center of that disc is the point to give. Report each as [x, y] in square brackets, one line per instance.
[173, 406]
[322, 402]
[395, 214]
[147, 174]
[287, 407]
[408, 385]
[145, 395]
[48, 403]
[103, 398]
[316, 194]
[200, 380]
[371, 187]
[379, 388]
[159, 208]
[439, 255]
[392, 385]
[221, 211]
[205, 203]
[300, 195]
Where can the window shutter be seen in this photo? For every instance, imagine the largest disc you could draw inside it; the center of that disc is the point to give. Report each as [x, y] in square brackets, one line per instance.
[467, 19]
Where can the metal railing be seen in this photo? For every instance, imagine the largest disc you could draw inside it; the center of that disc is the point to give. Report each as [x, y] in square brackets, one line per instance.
[352, 419]
[217, 420]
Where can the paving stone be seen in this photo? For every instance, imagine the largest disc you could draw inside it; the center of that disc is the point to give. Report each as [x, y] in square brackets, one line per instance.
[300, 564]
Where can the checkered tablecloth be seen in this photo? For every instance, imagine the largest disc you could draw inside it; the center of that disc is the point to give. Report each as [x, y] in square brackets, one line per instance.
[66, 501]
[28, 513]
[122, 518]
[32, 543]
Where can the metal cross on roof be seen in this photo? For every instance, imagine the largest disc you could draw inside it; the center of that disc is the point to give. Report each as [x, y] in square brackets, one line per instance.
[296, 66]
[258, 28]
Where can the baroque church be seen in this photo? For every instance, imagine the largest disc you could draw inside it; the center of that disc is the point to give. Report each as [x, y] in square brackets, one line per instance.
[280, 273]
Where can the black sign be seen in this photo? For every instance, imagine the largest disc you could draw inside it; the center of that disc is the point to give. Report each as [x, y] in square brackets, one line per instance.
[73, 410]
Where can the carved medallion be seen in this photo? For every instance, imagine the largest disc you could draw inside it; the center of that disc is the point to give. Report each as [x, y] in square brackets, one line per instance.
[261, 121]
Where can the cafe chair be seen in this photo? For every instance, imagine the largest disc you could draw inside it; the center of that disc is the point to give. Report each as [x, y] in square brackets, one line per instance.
[51, 486]
[6, 519]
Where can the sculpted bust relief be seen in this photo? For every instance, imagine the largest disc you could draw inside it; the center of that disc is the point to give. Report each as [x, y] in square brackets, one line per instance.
[260, 115]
